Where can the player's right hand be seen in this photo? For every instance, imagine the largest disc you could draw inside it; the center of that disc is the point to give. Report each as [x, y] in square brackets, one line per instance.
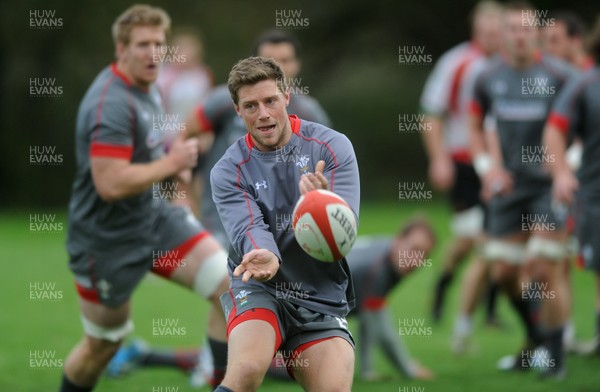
[260, 264]
[564, 186]
[441, 173]
[184, 152]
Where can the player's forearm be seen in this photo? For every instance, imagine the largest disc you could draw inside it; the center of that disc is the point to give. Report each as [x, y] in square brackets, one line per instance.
[434, 139]
[132, 179]
[557, 145]
[390, 342]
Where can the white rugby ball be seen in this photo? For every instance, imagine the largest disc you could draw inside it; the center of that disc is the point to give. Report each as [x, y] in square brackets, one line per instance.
[324, 225]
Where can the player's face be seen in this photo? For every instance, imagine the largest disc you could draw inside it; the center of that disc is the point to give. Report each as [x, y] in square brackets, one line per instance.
[136, 59]
[284, 54]
[418, 243]
[488, 32]
[262, 106]
[556, 41]
[521, 40]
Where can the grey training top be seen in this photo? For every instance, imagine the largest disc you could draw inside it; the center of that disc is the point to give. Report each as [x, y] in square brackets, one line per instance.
[255, 193]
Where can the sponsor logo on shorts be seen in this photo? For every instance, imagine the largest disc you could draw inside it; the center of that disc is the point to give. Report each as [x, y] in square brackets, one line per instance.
[45, 20]
[414, 55]
[291, 19]
[169, 327]
[413, 327]
[44, 291]
[242, 297]
[413, 123]
[413, 191]
[44, 88]
[413, 258]
[44, 359]
[536, 291]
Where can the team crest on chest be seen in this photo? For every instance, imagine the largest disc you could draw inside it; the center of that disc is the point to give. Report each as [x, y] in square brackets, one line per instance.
[302, 163]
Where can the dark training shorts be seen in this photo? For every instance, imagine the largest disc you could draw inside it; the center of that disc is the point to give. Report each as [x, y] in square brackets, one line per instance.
[110, 276]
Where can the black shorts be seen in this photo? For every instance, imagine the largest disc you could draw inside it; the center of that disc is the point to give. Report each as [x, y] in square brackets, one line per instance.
[465, 192]
[109, 276]
[296, 328]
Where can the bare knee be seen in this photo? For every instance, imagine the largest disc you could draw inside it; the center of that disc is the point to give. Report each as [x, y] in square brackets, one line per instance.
[244, 376]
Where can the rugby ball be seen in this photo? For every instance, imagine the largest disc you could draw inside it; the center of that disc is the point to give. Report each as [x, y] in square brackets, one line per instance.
[324, 225]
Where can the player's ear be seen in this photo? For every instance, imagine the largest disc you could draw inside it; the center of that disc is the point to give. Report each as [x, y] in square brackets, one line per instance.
[286, 95]
[120, 50]
[237, 108]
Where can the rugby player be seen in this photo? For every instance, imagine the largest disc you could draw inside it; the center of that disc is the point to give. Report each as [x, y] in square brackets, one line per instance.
[517, 89]
[256, 183]
[117, 229]
[577, 112]
[445, 102]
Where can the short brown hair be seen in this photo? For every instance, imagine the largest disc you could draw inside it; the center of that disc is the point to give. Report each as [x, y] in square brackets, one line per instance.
[414, 223]
[251, 71]
[139, 15]
[593, 41]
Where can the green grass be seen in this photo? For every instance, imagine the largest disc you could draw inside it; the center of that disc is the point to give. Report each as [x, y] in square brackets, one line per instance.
[29, 325]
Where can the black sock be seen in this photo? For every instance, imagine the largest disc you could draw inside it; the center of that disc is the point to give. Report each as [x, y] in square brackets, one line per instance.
[219, 354]
[440, 293]
[554, 344]
[492, 300]
[221, 388]
[184, 360]
[527, 316]
[68, 386]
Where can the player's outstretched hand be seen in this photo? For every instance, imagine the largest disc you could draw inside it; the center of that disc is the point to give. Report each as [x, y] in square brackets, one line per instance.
[260, 264]
[310, 182]
[184, 152]
[498, 181]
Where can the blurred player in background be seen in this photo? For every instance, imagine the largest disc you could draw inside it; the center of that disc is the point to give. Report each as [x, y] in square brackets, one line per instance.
[117, 229]
[185, 81]
[254, 183]
[445, 101]
[565, 40]
[517, 90]
[576, 112]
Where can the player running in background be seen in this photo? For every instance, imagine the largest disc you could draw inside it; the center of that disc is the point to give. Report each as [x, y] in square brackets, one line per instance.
[258, 181]
[185, 81]
[445, 102]
[576, 112]
[517, 89]
[117, 229]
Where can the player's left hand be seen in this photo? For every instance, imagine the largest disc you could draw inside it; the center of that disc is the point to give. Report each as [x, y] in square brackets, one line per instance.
[260, 264]
[310, 182]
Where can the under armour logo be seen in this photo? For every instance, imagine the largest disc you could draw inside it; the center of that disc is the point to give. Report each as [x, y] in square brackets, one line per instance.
[104, 288]
[263, 184]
